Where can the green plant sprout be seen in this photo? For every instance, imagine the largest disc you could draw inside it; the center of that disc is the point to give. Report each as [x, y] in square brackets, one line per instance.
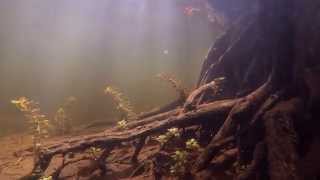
[122, 124]
[180, 158]
[192, 145]
[94, 152]
[170, 134]
[46, 178]
[162, 139]
[38, 122]
[174, 132]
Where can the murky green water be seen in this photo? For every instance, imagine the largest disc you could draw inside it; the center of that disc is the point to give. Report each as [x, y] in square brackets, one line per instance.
[50, 50]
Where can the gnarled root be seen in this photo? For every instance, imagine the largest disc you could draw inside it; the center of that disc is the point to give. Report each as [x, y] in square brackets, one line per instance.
[136, 130]
[244, 108]
[281, 139]
[259, 157]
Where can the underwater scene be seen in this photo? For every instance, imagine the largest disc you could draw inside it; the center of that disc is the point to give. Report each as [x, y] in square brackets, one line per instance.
[159, 90]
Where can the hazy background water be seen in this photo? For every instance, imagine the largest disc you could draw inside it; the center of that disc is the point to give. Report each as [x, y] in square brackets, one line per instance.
[52, 49]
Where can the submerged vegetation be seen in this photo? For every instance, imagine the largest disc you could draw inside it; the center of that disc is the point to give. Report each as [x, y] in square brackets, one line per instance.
[169, 135]
[62, 118]
[38, 122]
[192, 144]
[122, 124]
[181, 157]
[123, 105]
[46, 178]
[40, 127]
[94, 153]
[61, 121]
[174, 83]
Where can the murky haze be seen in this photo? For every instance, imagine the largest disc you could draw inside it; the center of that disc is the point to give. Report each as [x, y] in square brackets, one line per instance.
[50, 50]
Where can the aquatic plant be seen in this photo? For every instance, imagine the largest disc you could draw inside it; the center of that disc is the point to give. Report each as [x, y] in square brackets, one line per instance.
[173, 132]
[192, 144]
[162, 139]
[123, 105]
[94, 152]
[46, 178]
[62, 119]
[122, 124]
[38, 122]
[170, 134]
[180, 158]
[173, 82]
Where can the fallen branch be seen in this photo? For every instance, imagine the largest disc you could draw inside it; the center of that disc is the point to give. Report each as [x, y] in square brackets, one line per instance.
[136, 130]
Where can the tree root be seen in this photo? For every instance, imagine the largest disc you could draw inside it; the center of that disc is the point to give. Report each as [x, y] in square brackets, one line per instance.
[243, 109]
[136, 130]
[212, 148]
[102, 160]
[137, 170]
[57, 172]
[138, 147]
[281, 140]
[259, 157]
[226, 159]
[190, 103]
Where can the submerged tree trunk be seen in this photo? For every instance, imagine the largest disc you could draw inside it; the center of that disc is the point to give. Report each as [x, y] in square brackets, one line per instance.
[289, 42]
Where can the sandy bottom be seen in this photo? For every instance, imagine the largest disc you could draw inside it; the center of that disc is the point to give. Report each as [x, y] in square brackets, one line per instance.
[14, 164]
